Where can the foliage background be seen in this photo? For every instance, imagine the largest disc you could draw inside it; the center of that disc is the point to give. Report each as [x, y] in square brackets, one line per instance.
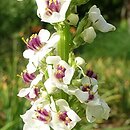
[108, 56]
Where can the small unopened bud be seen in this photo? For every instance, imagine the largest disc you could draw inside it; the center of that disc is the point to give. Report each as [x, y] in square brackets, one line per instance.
[88, 35]
[73, 19]
[79, 61]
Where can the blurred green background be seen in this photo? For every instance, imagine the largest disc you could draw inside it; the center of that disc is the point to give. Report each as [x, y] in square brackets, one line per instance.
[108, 56]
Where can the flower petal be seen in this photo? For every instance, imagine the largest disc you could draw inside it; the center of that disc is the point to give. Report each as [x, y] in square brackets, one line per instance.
[95, 9]
[98, 21]
[62, 104]
[73, 116]
[103, 26]
[97, 109]
[95, 88]
[86, 81]
[28, 53]
[68, 75]
[53, 60]
[44, 35]
[51, 43]
[32, 93]
[50, 87]
[65, 5]
[23, 92]
[82, 96]
[36, 80]
[31, 68]
[41, 7]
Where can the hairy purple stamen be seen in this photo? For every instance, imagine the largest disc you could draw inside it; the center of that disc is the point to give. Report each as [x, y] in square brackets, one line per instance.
[34, 43]
[85, 88]
[28, 77]
[43, 115]
[43, 112]
[53, 6]
[59, 67]
[64, 117]
[60, 73]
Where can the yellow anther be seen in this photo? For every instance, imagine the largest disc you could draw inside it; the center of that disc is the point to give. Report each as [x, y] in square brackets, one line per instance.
[19, 75]
[67, 119]
[50, 2]
[25, 41]
[54, 1]
[33, 36]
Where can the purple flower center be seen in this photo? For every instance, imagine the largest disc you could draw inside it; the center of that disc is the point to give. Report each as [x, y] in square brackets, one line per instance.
[43, 115]
[64, 117]
[60, 72]
[85, 88]
[28, 77]
[88, 89]
[91, 96]
[91, 74]
[34, 43]
[53, 6]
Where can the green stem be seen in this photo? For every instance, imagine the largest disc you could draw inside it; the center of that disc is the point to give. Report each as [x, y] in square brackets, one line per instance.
[63, 47]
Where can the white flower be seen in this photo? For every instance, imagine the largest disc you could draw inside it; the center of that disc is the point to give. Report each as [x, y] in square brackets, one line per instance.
[38, 117]
[43, 115]
[88, 90]
[66, 118]
[98, 21]
[38, 46]
[60, 73]
[97, 109]
[52, 11]
[32, 92]
[88, 35]
[73, 19]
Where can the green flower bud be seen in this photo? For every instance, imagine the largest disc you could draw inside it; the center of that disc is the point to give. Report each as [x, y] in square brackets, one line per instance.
[88, 35]
[73, 19]
[79, 61]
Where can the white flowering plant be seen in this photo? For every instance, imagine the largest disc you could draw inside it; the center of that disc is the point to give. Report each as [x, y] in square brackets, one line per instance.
[61, 89]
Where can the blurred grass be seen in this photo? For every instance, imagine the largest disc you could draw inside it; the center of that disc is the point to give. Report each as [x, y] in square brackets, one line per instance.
[108, 56]
[10, 105]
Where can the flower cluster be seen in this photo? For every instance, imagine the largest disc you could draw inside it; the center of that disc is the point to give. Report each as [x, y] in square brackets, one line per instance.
[56, 79]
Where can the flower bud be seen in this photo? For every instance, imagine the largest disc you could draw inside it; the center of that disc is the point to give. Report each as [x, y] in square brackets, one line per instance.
[88, 35]
[73, 19]
[79, 61]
